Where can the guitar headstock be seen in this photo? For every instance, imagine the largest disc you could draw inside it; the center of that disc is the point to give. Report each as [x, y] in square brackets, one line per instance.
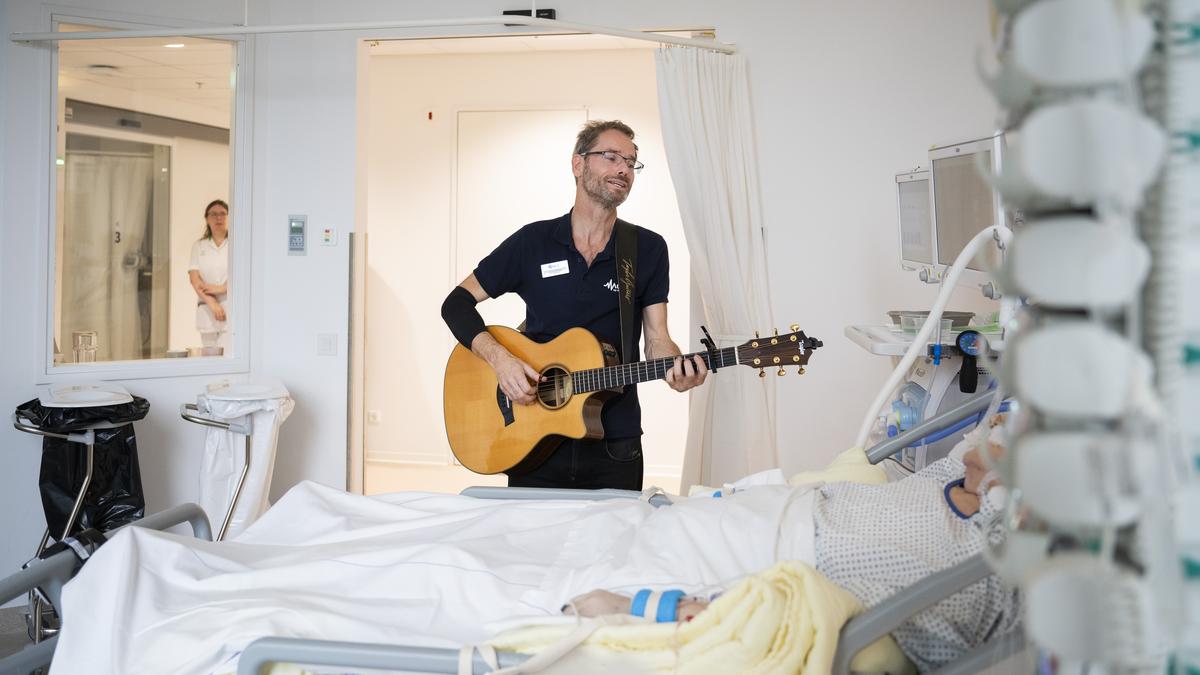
[777, 351]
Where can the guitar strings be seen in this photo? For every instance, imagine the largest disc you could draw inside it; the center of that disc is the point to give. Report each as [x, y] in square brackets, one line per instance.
[593, 377]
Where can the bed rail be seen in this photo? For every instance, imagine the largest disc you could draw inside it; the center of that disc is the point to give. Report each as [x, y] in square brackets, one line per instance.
[972, 406]
[497, 492]
[264, 652]
[882, 619]
[52, 573]
[989, 654]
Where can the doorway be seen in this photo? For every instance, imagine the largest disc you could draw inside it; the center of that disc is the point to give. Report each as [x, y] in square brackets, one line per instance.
[465, 141]
[116, 234]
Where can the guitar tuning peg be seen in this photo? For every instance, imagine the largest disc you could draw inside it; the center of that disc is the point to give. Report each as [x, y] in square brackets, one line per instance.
[761, 373]
[795, 327]
[776, 332]
[780, 373]
[800, 370]
[755, 335]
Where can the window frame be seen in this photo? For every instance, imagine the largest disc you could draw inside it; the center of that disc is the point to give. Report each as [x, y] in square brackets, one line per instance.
[240, 172]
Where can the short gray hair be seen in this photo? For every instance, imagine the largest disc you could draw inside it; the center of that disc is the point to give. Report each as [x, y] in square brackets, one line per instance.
[586, 139]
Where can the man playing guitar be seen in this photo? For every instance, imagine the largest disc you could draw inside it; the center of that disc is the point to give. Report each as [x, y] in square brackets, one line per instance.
[566, 271]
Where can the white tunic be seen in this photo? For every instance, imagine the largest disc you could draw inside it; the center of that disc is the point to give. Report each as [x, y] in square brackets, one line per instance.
[212, 262]
[874, 540]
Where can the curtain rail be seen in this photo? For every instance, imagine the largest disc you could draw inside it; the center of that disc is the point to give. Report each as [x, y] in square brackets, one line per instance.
[220, 31]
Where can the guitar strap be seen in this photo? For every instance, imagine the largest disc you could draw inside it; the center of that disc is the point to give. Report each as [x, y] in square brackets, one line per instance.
[627, 285]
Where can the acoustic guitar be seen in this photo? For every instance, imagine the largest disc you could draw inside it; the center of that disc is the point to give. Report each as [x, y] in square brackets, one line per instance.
[488, 433]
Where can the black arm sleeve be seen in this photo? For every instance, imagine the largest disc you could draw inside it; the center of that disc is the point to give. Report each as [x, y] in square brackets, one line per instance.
[459, 313]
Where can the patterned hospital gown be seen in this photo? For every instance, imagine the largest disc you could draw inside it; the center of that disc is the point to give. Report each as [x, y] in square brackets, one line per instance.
[874, 540]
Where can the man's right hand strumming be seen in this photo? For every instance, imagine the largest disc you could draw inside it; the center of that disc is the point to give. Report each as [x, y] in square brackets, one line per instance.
[516, 378]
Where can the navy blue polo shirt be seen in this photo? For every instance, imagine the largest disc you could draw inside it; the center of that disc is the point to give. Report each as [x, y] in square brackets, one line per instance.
[540, 263]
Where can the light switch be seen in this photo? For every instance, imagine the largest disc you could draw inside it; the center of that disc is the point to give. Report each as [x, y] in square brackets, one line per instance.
[328, 236]
[326, 344]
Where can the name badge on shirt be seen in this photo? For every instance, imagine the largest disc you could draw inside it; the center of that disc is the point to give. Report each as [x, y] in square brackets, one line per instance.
[554, 269]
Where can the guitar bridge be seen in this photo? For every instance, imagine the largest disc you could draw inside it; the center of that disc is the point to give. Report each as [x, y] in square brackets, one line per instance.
[505, 405]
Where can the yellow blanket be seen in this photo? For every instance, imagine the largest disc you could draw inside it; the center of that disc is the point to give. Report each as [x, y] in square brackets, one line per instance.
[849, 467]
[784, 620]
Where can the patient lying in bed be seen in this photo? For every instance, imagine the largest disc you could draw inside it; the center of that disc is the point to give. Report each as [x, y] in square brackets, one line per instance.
[443, 570]
[874, 540]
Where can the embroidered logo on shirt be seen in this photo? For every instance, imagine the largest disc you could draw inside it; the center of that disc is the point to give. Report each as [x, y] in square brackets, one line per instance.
[612, 286]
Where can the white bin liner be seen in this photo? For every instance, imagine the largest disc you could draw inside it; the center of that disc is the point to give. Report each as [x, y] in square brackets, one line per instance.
[263, 403]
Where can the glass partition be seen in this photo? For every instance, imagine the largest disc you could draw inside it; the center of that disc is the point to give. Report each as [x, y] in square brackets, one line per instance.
[143, 221]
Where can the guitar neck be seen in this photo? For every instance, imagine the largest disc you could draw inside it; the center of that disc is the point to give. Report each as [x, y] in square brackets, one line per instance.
[644, 371]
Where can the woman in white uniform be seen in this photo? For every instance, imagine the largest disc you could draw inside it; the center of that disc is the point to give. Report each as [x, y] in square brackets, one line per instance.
[209, 275]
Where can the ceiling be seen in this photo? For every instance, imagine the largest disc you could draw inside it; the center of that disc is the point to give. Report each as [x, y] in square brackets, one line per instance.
[199, 73]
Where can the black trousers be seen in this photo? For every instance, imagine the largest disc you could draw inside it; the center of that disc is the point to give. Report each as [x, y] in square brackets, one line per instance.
[588, 464]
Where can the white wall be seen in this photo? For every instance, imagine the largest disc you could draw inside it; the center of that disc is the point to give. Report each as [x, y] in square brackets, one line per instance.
[848, 94]
[410, 196]
[844, 95]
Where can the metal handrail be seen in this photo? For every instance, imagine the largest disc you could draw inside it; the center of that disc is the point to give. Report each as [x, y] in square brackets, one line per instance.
[866, 628]
[523, 493]
[271, 650]
[972, 406]
[52, 573]
[188, 512]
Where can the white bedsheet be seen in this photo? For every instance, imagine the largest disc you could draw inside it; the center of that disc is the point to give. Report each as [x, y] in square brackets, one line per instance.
[412, 568]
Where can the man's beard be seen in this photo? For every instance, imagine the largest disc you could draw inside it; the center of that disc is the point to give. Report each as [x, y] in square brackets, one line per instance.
[598, 190]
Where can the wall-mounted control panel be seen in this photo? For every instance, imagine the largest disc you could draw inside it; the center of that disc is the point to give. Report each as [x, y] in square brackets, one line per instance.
[297, 227]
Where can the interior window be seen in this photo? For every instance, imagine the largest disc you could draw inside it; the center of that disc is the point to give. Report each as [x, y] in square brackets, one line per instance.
[144, 223]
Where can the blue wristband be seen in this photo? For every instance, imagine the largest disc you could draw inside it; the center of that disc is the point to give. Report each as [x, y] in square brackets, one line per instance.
[638, 608]
[668, 605]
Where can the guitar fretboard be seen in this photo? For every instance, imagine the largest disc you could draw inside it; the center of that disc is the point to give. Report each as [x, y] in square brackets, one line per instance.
[644, 371]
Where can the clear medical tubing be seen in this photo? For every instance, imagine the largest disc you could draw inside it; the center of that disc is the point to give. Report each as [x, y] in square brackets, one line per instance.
[1004, 235]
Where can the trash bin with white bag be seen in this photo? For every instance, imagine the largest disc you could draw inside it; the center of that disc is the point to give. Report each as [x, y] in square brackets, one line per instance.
[243, 417]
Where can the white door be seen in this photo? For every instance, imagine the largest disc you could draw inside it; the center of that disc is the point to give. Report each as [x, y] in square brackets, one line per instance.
[514, 167]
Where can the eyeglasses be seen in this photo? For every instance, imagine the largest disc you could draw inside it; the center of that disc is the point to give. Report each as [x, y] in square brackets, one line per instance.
[614, 157]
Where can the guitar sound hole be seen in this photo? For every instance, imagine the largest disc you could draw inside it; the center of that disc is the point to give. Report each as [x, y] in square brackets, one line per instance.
[556, 387]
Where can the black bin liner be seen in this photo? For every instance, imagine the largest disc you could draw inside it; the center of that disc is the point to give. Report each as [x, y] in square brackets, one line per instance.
[115, 496]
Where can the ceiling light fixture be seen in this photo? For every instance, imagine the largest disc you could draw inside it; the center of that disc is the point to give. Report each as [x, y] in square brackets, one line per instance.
[174, 45]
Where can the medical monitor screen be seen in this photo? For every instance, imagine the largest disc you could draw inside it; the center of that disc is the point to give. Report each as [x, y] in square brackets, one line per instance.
[916, 230]
[964, 203]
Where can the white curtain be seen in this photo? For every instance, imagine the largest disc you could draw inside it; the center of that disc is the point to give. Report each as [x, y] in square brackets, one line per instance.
[704, 101]
[106, 215]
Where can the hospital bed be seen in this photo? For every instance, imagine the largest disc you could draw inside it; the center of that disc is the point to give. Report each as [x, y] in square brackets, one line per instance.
[50, 574]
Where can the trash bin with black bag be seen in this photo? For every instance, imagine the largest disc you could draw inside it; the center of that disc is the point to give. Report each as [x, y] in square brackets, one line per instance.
[89, 478]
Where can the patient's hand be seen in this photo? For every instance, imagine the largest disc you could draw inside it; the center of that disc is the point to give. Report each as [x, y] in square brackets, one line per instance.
[598, 603]
[966, 502]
